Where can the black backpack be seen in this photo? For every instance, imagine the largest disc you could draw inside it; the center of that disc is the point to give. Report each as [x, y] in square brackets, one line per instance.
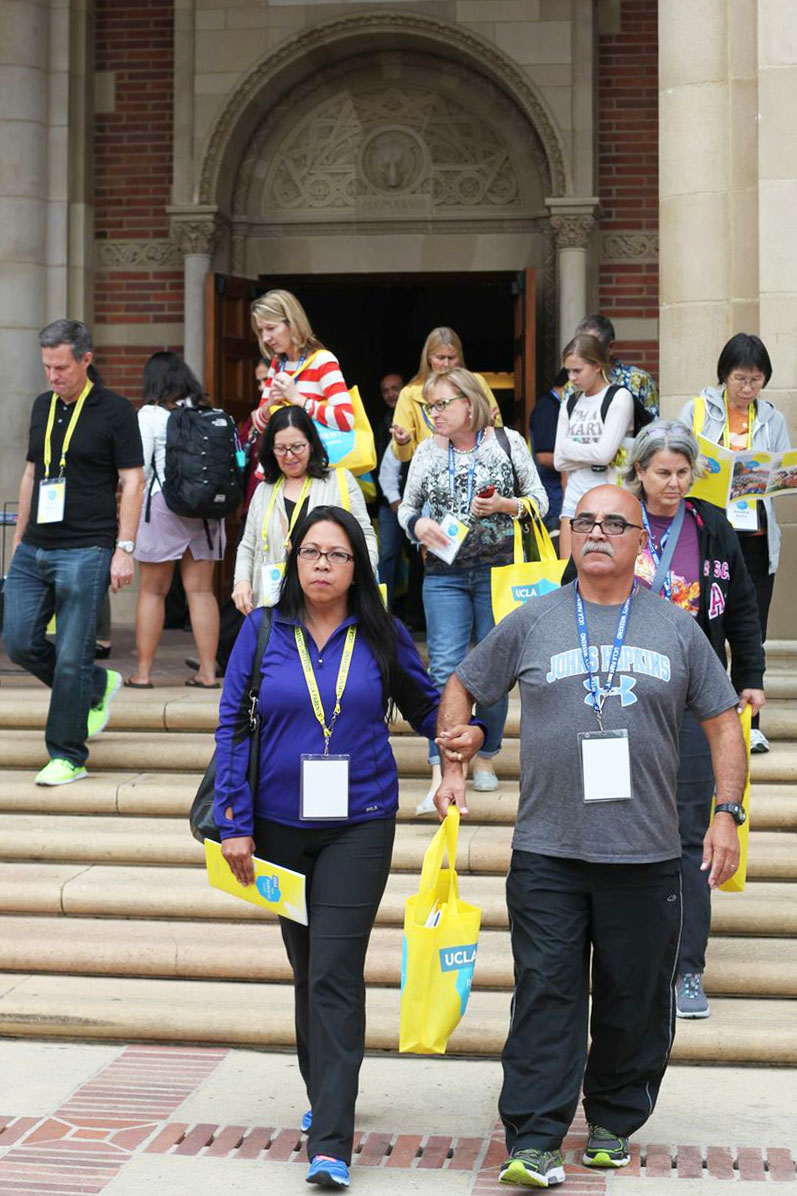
[203, 476]
[642, 416]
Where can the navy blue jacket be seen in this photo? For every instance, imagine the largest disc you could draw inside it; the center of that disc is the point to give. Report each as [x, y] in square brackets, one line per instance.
[290, 728]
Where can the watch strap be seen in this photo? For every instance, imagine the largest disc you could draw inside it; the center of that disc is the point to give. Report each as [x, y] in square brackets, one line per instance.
[736, 811]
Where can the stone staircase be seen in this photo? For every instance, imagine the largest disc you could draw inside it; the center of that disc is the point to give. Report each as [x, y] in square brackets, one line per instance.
[109, 930]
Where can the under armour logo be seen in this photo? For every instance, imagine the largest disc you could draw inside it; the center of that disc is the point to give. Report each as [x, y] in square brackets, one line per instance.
[624, 690]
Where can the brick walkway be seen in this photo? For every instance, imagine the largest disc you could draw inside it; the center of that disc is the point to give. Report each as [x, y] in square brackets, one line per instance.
[125, 1110]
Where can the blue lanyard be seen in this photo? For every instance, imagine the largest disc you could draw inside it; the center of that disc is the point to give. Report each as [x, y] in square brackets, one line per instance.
[599, 695]
[656, 553]
[452, 473]
[299, 364]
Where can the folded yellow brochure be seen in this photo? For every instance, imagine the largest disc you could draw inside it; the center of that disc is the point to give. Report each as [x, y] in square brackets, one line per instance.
[278, 889]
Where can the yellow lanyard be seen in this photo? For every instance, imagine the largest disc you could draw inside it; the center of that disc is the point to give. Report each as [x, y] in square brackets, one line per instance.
[726, 431]
[312, 684]
[74, 417]
[297, 508]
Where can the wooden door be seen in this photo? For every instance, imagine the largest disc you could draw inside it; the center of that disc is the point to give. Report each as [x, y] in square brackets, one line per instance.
[525, 291]
[231, 354]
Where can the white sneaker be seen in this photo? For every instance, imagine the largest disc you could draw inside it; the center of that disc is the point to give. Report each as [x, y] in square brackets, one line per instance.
[758, 741]
[484, 781]
[427, 806]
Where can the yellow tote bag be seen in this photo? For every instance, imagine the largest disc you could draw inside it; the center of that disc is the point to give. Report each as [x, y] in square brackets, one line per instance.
[513, 585]
[736, 883]
[440, 940]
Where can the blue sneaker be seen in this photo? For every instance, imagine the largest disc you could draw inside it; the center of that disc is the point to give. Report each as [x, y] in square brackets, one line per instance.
[307, 1121]
[328, 1173]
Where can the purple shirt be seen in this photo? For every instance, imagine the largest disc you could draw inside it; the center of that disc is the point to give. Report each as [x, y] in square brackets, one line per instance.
[684, 566]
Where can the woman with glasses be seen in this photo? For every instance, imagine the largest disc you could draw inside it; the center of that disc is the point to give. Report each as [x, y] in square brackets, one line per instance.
[296, 478]
[734, 414]
[334, 665]
[464, 470]
[442, 350]
[693, 559]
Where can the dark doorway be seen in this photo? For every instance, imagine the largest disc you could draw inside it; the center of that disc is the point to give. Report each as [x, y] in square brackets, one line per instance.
[376, 324]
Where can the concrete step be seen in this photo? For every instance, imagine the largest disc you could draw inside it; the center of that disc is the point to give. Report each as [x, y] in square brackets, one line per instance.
[766, 908]
[158, 794]
[255, 951]
[110, 1008]
[190, 752]
[121, 839]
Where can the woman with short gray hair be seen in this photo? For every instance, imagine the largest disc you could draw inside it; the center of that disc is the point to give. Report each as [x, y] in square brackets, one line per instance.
[693, 559]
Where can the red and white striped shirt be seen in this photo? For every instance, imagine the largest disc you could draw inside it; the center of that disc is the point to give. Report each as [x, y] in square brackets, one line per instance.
[321, 383]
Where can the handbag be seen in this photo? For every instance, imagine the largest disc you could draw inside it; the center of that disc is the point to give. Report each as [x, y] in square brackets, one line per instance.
[202, 818]
[513, 585]
[441, 935]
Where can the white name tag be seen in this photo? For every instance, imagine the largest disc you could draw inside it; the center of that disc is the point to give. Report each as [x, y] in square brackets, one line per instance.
[455, 532]
[271, 581]
[52, 499]
[605, 765]
[743, 515]
[325, 788]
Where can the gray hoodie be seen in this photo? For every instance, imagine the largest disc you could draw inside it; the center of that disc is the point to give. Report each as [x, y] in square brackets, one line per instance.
[769, 433]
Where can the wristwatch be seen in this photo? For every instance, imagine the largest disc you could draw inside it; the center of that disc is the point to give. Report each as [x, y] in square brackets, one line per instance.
[126, 545]
[736, 812]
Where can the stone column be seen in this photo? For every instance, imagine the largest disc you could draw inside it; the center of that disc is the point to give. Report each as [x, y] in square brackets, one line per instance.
[572, 221]
[195, 231]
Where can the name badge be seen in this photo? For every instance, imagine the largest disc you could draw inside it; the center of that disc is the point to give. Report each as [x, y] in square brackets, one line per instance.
[52, 500]
[605, 766]
[324, 788]
[272, 583]
[743, 516]
[455, 532]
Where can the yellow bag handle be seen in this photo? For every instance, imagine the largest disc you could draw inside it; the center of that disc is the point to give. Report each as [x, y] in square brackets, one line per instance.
[343, 488]
[545, 547]
[446, 837]
[698, 414]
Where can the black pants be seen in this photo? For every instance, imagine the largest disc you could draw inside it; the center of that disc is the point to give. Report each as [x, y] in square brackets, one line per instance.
[347, 867]
[630, 915]
[695, 791]
[755, 551]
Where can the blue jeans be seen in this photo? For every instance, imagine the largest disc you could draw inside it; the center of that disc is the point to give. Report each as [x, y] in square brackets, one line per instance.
[458, 605]
[70, 583]
[391, 539]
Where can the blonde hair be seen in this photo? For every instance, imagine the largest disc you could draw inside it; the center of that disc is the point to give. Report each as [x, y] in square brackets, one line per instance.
[282, 307]
[438, 338]
[468, 384]
[589, 349]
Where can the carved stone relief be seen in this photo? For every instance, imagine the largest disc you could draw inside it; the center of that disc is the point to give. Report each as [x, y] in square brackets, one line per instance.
[137, 255]
[630, 247]
[572, 232]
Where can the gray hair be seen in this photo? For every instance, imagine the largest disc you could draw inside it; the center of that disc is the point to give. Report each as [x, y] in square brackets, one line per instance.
[67, 332]
[663, 435]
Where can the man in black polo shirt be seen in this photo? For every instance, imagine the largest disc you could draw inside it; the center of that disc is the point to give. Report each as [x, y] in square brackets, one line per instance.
[84, 441]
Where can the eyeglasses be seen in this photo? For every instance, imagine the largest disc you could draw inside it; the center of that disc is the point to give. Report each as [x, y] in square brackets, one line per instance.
[295, 450]
[612, 525]
[746, 383]
[336, 557]
[439, 406]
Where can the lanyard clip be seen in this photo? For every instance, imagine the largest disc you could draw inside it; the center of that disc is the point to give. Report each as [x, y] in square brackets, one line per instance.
[252, 710]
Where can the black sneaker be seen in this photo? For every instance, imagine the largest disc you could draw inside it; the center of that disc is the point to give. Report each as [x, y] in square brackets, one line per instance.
[605, 1149]
[534, 1169]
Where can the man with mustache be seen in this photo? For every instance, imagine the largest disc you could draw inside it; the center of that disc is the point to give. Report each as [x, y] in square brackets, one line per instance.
[605, 671]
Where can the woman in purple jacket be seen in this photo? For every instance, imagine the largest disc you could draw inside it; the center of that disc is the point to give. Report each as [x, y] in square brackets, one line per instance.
[335, 663]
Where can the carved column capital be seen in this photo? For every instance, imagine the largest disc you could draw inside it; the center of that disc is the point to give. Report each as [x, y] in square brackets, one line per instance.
[572, 232]
[194, 229]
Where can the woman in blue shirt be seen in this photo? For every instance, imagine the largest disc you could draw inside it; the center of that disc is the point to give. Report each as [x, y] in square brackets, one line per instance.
[335, 663]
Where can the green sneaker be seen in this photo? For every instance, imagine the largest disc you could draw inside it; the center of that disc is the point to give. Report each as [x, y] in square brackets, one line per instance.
[605, 1149]
[60, 772]
[99, 715]
[534, 1169]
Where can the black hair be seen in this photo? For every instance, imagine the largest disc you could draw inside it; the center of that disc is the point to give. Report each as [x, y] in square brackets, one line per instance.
[561, 378]
[365, 601]
[167, 379]
[747, 351]
[602, 325]
[292, 417]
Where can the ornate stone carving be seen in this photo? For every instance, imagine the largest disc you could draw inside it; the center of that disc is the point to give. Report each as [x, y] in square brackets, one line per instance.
[393, 159]
[572, 232]
[195, 236]
[630, 247]
[136, 255]
[485, 61]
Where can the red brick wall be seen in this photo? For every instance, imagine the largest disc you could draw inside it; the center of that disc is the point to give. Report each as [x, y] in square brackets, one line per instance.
[628, 165]
[133, 176]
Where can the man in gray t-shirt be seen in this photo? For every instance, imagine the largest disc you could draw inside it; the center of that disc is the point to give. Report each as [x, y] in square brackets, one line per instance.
[605, 672]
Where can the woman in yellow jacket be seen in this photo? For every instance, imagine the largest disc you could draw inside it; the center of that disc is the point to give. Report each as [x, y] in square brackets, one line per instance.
[442, 350]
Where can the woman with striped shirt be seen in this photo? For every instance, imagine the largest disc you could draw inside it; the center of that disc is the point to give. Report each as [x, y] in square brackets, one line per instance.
[301, 371]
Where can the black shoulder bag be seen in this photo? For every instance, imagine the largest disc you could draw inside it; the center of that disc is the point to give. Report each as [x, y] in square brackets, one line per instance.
[202, 819]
